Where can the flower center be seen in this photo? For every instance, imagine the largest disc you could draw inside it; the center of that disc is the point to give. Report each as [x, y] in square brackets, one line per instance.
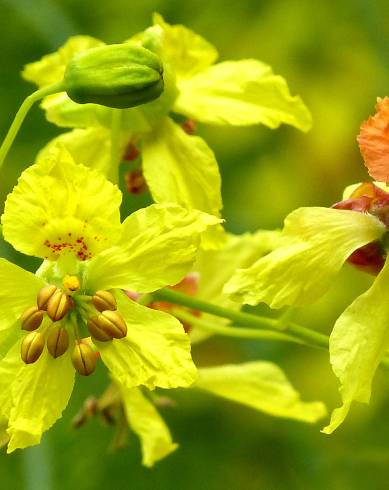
[60, 318]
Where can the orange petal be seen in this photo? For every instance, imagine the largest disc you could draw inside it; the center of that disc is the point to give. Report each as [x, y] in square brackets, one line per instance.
[373, 142]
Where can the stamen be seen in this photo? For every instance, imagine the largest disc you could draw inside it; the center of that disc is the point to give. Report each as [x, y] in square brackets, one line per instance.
[32, 318]
[44, 295]
[112, 324]
[32, 347]
[58, 305]
[58, 342]
[104, 300]
[84, 358]
[96, 331]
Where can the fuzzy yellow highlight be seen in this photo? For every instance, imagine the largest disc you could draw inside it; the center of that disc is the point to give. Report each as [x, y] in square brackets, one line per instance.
[71, 282]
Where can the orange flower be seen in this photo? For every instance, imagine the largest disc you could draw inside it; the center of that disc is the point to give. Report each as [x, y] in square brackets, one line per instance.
[373, 142]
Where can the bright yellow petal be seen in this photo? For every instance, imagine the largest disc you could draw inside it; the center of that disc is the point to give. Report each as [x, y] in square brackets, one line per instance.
[157, 248]
[358, 343]
[51, 67]
[18, 291]
[260, 385]
[146, 422]
[10, 365]
[155, 353]
[90, 147]
[316, 243]
[60, 207]
[241, 93]
[182, 169]
[186, 51]
[40, 393]
[63, 112]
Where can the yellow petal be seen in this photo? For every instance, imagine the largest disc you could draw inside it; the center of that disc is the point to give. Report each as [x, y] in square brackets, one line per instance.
[157, 248]
[51, 67]
[155, 352]
[146, 422]
[182, 169]
[59, 207]
[315, 244]
[186, 51]
[358, 343]
[40, 393]
[260, 385]
[241, 93]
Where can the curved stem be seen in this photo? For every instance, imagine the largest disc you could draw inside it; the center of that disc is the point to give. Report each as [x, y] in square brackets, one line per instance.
[288, 330]
[116, 124]
[304, 334]
[235, 331]
[21, 114]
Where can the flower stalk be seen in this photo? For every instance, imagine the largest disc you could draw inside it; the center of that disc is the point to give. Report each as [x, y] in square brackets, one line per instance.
[28, 102]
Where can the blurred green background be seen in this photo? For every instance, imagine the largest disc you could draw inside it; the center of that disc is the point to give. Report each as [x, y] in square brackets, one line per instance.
[336, 56]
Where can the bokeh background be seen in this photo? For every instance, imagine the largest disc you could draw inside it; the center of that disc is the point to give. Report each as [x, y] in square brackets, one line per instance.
[336, 56]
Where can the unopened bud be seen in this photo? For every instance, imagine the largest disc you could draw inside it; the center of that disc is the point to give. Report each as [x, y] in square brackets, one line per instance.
[84, 359]
[32, 347]
[58, 342]
[58, 305]
[116, 75]
[32, 318]
[96, 331]
[135, 182]
[112, 324]
[104, 300]
[44, 295]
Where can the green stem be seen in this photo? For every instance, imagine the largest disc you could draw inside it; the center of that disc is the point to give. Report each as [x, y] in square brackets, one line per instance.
[116, 124]
[303, 334]
[28, 102]
[237, 332]
[289, 330]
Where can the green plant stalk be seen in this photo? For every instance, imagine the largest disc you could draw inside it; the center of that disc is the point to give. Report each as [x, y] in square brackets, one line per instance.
[28, 102]
[116, 125]
[235, 331]
[289, 331]
[300, 333]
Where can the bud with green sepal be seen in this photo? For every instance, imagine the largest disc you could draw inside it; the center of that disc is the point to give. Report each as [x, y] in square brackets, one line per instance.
[116, 75]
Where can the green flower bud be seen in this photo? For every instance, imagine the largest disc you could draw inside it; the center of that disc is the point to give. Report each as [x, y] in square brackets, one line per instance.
[96, 331]
[112, 324]
[58, 342]
[44, 295]
[116, 75]
[32, 318]
[32, 347]
[58, 305]
[104, 300]
[84, 359]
